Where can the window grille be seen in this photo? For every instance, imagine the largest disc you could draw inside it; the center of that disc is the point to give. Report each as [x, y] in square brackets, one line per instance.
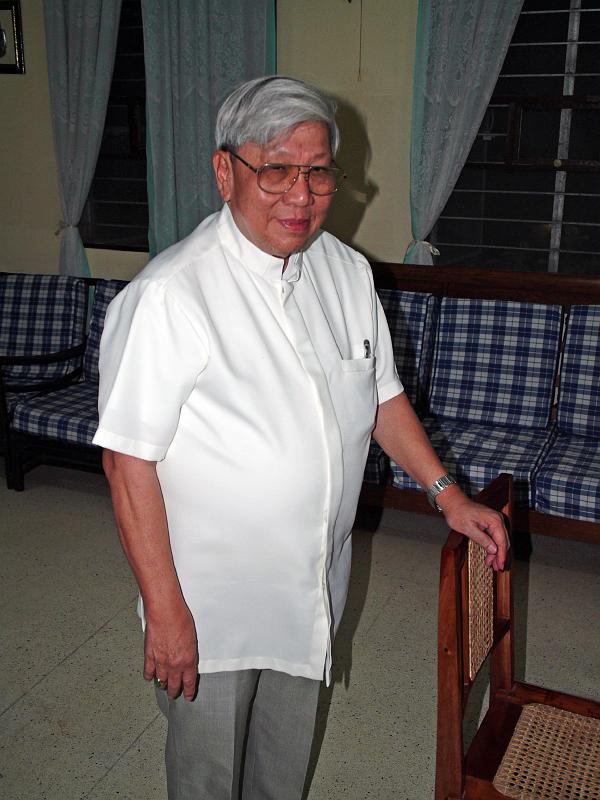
[529, 194]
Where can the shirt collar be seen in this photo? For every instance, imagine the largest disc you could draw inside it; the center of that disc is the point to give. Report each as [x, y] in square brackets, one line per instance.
[267, 266]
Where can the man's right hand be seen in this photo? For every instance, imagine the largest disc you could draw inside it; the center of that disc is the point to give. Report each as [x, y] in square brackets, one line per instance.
[171, 651]
[171, 648]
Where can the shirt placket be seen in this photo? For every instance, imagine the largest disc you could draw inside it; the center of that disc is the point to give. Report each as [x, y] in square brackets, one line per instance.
[300, 338]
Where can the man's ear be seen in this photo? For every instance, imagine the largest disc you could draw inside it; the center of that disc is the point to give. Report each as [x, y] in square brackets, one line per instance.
[223, 173]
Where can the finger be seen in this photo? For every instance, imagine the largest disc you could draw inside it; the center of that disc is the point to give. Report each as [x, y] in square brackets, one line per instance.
[495, 547]
[162, 683]
[493, 557]
[190, 682]
[480, 537]
[496, 538]
[173, 686]
[500, 537]
[149, 667]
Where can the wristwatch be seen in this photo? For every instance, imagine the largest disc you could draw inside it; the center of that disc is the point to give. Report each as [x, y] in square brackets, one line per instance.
[438, 486]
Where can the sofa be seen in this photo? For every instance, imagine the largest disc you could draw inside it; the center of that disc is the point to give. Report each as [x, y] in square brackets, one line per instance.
[55, 423]
[503, 368]
[42, 333]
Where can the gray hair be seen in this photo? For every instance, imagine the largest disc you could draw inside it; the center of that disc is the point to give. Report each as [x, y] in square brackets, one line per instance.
[260, 109]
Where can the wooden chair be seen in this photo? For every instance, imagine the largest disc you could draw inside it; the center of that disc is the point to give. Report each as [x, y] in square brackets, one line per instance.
[533, 742]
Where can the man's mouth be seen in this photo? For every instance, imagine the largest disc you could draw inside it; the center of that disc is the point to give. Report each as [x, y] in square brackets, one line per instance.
[294, 225]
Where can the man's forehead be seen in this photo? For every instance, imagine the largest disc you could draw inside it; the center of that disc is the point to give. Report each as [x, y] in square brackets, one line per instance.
[284, 151]
[311, 134]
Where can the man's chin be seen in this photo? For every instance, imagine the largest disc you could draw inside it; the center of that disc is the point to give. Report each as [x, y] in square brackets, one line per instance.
[294, 245]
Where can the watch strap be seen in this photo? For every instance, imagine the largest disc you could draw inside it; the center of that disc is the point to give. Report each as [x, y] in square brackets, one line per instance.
[438, 486]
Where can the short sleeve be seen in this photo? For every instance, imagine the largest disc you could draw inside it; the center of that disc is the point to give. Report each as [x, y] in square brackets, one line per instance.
[388, 382]
[150, 358]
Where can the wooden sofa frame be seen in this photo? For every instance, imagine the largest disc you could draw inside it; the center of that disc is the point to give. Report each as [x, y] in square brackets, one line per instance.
[488, 284]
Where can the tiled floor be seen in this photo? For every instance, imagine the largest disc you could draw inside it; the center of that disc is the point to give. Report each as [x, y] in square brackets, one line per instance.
[77, 721]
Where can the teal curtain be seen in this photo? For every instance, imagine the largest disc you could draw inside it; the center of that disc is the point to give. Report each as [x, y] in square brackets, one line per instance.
[81, 40]
[196, 52]
[461, 45]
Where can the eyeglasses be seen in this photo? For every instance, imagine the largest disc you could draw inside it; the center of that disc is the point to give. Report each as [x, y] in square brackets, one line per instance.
[279, 178]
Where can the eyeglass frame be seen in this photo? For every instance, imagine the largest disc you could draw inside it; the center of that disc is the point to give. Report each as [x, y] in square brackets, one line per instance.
[303, 169]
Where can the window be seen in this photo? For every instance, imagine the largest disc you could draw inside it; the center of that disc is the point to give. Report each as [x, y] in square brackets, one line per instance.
[529, 194]
[116, 213]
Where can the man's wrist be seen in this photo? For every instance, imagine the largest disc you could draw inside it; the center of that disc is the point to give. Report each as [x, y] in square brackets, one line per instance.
[437, 487]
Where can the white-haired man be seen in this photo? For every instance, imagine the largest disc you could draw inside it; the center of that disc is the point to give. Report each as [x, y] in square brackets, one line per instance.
[243, 372]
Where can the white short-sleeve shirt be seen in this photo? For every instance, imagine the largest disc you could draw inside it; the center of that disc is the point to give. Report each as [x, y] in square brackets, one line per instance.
[256, 393]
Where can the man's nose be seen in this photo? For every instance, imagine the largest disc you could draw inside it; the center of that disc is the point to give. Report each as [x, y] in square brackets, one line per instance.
[299, 193]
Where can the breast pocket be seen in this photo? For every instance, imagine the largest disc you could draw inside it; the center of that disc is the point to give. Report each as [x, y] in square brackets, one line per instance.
[358, 365]
[357, 398]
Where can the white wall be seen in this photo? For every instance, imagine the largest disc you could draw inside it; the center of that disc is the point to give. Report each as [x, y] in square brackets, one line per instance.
[29, 205]
[320, 41]
[317, 40]
[29, 195]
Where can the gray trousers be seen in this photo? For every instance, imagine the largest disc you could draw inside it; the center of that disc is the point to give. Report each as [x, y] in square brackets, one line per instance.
[247, 735]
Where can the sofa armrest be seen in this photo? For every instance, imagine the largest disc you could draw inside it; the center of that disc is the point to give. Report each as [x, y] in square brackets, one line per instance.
[41, 384]
[46, 358]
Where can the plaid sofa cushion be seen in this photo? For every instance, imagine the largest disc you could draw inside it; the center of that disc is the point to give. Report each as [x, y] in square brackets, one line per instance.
[69, 414]
[476, 454]
[106, 290]
[39, 315]
[568, 482]
[494, 362]
[12, 398]
[411, 319]
[579, 398]
[377, 466]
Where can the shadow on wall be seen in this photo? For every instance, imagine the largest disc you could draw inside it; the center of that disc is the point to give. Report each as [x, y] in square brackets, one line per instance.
[354, 156]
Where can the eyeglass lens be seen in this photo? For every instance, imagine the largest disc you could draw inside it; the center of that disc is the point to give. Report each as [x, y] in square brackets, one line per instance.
[279, 178]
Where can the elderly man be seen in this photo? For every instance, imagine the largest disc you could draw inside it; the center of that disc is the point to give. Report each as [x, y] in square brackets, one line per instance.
[243, 372]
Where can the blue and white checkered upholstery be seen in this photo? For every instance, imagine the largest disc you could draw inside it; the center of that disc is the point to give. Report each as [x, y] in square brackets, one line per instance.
[494, 362]
[579, 397]
[66, 415]
[39, 315]
[411, 319]
[71, 414]
[568, 482]
[476, 454]
[376, 469]
[106, 290]
[12, 398]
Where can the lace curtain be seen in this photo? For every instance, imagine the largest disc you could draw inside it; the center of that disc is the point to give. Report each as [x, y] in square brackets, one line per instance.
[461, 45]
[81, 40]
[196, 52]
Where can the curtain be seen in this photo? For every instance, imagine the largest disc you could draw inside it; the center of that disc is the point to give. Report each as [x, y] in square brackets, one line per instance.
[461, 45]
[81, 40]
[196, 52]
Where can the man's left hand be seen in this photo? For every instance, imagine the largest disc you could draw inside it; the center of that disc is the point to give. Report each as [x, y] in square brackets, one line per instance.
[480, 523]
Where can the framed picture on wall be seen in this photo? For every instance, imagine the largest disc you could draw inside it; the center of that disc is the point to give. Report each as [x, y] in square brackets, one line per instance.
[11, 37]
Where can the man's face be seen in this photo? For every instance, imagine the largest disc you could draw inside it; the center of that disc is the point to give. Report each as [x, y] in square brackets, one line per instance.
[278, 224]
